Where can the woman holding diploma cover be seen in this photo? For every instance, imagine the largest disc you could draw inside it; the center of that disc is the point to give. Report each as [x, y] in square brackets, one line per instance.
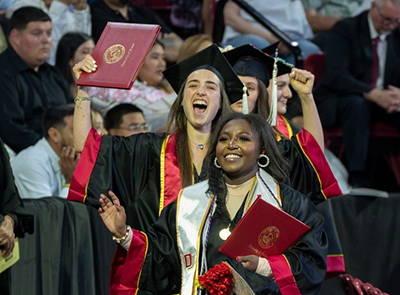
[172, 256]
[147, 170]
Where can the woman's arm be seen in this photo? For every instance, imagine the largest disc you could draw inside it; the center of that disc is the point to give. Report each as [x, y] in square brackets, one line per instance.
[82, 122]
[302, 82]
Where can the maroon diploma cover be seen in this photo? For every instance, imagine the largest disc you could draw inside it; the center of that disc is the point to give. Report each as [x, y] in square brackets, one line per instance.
[263, 231]
[119, 54]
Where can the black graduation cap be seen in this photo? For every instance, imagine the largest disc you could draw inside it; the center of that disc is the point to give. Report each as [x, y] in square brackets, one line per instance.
[211, 59]
[247, 60]
[271, 49]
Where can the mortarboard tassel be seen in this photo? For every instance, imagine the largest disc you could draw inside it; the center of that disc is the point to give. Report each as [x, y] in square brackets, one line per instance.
[245, 105]
[274, 96]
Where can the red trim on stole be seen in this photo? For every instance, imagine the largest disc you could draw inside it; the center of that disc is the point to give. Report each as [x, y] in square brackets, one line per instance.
[335, 266]
[84, 168]
[172, 177]
[329, 184]
[126, 266]
[283, 275]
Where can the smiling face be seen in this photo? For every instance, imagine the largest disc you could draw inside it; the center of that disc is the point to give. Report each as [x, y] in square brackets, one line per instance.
[283, 93]
[153, 67]
[201, 98]
[34, 43]
[237, 151]
[252, 88]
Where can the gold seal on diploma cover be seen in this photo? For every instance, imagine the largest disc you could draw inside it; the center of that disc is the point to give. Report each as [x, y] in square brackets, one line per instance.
[268, 237]
[114, 53]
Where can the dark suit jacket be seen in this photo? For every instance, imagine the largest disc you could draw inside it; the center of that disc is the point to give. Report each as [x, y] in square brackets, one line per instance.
[349, 60]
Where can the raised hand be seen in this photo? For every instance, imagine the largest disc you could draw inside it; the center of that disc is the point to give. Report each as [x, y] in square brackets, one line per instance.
[88, 65]
[302, 81]
[113, 215]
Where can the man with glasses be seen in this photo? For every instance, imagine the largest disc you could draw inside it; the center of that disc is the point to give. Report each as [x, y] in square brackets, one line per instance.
[361, 80]
[125, 119]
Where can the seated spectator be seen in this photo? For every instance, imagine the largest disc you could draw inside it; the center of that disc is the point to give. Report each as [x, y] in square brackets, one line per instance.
[360, 82]
[63, 18]
[98, 122]
[46, 168]
[194, 44]
[104, 11]
[125, 119]
[144, 93]
[286, 15]
[72, 48]
[28, 84]
[322, 15]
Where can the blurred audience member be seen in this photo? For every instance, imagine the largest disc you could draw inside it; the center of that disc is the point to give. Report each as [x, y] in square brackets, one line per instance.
[144, 93]
[28, 84]
[98, 122]
[64, 19]
[322, 15]
[46, 168]
[361, 81]
[194, 44]
[72, 48]
[286, 15]
[104, 11]
[125, 119]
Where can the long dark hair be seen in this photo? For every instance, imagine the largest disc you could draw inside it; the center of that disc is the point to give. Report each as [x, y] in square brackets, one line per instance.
[262, 105]
[177, 121]
[278, 167]
[66, 49]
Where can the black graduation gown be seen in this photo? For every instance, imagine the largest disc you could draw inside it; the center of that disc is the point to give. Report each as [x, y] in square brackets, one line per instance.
[159, 264]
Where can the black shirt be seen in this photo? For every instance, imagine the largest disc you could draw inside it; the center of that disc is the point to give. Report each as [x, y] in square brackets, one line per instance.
[101, 14]
[24, 96]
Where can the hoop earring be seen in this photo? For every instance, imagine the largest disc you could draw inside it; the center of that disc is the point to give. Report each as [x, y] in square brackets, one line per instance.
[216, 163]
[266, 159]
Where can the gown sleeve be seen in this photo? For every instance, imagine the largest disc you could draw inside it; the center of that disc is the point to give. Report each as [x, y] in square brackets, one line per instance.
[310, 173]
[152, 264]
[302, 268]
[10, 202]
[128, 166]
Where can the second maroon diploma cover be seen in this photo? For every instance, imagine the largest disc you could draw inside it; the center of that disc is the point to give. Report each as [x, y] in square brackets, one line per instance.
[119, 54]
[263, 231]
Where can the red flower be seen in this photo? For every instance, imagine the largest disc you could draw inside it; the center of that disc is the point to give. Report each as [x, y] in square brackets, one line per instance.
[217, 280]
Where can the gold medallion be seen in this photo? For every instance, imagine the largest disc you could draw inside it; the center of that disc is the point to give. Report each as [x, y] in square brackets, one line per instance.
[114, 53]
[224, 233]
[268, 237]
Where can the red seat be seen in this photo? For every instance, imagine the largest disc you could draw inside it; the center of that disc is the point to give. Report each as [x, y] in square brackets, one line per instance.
[153, 4]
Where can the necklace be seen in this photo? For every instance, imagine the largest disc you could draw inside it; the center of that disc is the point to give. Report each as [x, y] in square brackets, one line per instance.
[226, 232]
[201, 145]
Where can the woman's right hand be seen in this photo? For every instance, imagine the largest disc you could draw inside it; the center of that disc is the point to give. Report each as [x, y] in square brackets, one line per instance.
[87, 65]
[113, 215]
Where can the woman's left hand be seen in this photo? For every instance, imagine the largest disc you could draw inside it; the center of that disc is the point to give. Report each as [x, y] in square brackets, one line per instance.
[302, 81]
[249, 262]
[113, 215]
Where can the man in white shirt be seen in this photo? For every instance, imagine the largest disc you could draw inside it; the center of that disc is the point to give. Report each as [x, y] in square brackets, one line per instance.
[63, 18]
[287, 15]
[45, 169]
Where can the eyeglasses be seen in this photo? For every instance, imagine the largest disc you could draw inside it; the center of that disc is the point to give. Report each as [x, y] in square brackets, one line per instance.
[387, 19]
[138, 127]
